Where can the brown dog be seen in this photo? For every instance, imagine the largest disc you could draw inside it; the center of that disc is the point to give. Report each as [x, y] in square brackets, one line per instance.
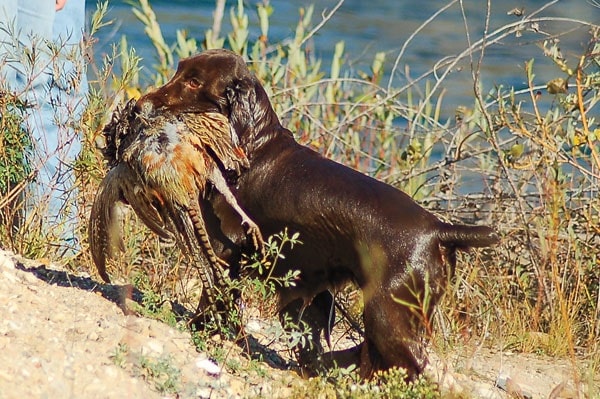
[353, 227]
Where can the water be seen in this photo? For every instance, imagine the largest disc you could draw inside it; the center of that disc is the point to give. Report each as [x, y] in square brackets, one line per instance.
[372, 26]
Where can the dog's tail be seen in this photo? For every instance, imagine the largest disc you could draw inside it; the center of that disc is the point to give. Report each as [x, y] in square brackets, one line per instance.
[464, 236]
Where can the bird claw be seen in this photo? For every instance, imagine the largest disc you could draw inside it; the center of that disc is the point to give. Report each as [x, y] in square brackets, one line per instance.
[253, 231]
[222, 262]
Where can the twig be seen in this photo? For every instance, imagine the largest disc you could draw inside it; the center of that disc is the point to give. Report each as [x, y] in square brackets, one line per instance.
[584, 122]
[475, 70]
[17, 189]
[218, 18]
[411, 37]
[497, 35]
[326, 18]
[353, 324]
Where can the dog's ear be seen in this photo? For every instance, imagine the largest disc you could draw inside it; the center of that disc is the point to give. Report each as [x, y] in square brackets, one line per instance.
[241, 100]
[250, 112]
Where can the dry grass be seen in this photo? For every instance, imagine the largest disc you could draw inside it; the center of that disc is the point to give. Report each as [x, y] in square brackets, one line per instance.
[530, 170]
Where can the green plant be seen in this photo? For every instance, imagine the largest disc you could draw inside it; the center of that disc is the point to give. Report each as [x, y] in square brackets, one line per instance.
[153, 305]
[158, 371]
[119, 357]
[256, 288]
[15, 172]
[507, 158]
[31, 224]
[14, 143]
[539, 290]
[161, 373]
[388, 384]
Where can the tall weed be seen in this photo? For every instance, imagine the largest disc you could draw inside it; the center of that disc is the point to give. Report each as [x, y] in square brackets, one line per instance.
[530, 168]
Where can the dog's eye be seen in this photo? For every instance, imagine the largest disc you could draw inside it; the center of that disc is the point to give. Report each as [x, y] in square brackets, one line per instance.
[194, 83]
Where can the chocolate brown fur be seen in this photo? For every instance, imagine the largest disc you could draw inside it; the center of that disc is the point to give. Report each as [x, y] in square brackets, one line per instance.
[352, 226]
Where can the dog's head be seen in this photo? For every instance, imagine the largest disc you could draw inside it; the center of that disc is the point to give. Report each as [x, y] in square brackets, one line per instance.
[217, 81]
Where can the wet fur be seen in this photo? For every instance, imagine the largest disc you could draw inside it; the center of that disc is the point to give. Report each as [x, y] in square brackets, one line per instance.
[353, 227]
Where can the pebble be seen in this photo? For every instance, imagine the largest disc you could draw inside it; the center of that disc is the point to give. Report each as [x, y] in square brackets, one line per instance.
[253, 326]
[153, 347]
[9, 276]
[69, 373]
[210, 367]
[6, 261]
[6, 376]
[204, 392]
[4, 341]
[111, 371]
[93, 336]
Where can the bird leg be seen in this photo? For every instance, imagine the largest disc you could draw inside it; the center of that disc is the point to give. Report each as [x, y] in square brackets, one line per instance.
[200, 229]
[252, 229]
[219, 277]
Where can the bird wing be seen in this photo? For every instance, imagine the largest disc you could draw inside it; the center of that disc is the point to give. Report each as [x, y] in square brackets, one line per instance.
[120, 186]
[117, 132]
[215, 133]
[105, 223]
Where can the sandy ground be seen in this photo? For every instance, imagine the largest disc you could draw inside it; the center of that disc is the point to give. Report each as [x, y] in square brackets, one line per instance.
[65, 336]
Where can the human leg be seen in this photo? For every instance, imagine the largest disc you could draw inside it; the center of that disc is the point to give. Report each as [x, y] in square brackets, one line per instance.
[23, 27]
[66, 103]
[45, 66]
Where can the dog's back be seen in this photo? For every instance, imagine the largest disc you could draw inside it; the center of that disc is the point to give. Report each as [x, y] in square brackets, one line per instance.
[353, 227]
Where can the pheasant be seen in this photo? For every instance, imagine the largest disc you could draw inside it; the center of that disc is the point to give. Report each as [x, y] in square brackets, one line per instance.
[161, 166]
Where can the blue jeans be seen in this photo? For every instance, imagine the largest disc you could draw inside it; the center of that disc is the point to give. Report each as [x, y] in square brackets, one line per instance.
[46, 67]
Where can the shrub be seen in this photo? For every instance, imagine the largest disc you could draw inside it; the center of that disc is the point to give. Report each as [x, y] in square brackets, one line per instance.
[527, 167]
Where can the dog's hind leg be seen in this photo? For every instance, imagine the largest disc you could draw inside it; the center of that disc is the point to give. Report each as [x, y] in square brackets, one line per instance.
[317, 315]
